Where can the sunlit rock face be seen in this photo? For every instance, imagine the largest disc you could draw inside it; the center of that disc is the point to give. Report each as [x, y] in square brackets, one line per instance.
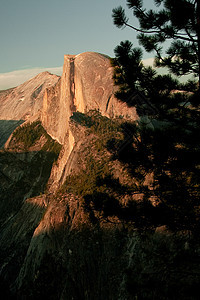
[26, 100]
[80, 223]
[86, 84]
[23, 103]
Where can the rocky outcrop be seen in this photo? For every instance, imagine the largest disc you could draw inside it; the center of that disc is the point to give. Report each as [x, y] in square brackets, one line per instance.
[26, 100]
[60, 245]
[25, 167]
[90, 229]
[6, 128]
[86, 84]
[22, 103]
[83, 260]
[63, 246]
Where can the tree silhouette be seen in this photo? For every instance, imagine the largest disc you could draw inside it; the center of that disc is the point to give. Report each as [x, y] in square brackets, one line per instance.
[177, 21]
[165, 143]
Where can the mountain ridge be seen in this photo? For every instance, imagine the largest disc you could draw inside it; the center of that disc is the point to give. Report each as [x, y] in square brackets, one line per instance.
[79, 219]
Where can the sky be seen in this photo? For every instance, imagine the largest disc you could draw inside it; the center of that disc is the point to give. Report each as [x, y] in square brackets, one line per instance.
[35, 34]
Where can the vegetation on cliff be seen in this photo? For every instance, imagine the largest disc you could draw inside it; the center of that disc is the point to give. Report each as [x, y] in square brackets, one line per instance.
[28, 134]
[25, 166]
[109, 218]
[125, 223]
[143, 175]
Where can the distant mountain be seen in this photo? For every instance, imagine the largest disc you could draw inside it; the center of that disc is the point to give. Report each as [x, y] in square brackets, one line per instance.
[20, 103]
[24, 101]
[77, 220]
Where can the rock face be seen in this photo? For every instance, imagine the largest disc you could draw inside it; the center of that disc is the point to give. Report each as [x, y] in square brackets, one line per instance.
[48, 230]
[86, 84]
[23, 102]
[25, 167]
[64, 245]
[26, 100]
[6, 128]
[71, 216]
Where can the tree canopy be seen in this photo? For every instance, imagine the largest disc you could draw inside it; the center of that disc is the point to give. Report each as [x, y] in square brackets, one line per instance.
[166, 145]
[177, 21]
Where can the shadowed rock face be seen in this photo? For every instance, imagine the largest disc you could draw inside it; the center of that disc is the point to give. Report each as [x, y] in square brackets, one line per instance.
[6, 128]
[86, 84]
[25, 101]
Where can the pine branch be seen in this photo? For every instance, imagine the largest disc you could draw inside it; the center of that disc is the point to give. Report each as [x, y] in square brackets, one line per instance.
[140, 30]
[184, 38]
[177, 36]
[192, 38]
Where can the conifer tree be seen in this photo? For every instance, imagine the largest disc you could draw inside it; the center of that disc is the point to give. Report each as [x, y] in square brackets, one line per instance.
[169, 148]
[177, 21]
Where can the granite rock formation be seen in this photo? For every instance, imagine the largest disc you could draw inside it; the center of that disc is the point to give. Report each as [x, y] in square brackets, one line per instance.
[26, 100]
[70, 219]
[86, 84]
[22, 103]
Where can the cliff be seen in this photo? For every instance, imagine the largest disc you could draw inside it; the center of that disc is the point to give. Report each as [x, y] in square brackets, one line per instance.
[86, 84]
[23, 102]
[77, 220]
[26, 100]
[86, 239]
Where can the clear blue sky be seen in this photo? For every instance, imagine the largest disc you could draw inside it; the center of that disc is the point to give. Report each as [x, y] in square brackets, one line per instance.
[37, 33]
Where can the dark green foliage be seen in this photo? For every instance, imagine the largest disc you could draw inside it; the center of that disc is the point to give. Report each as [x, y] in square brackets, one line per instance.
[141, 86]
[95, 183]
[27, 173]
[176, 21]
[168, 149]
[166, 144]
[120, 18]
[97, 123]
[86, 181]
[52, 146]
[103, 202]
[30, 133]
[103, 127]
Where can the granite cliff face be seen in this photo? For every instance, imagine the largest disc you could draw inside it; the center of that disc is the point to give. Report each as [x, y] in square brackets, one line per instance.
[34, 229]
[86, 84]
[80, 241]
[22, 103]
[71, 215]
[26, 100]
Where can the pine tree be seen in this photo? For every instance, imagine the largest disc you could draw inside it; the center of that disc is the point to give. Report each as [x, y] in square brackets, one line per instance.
[177, 21]
[169, 148]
